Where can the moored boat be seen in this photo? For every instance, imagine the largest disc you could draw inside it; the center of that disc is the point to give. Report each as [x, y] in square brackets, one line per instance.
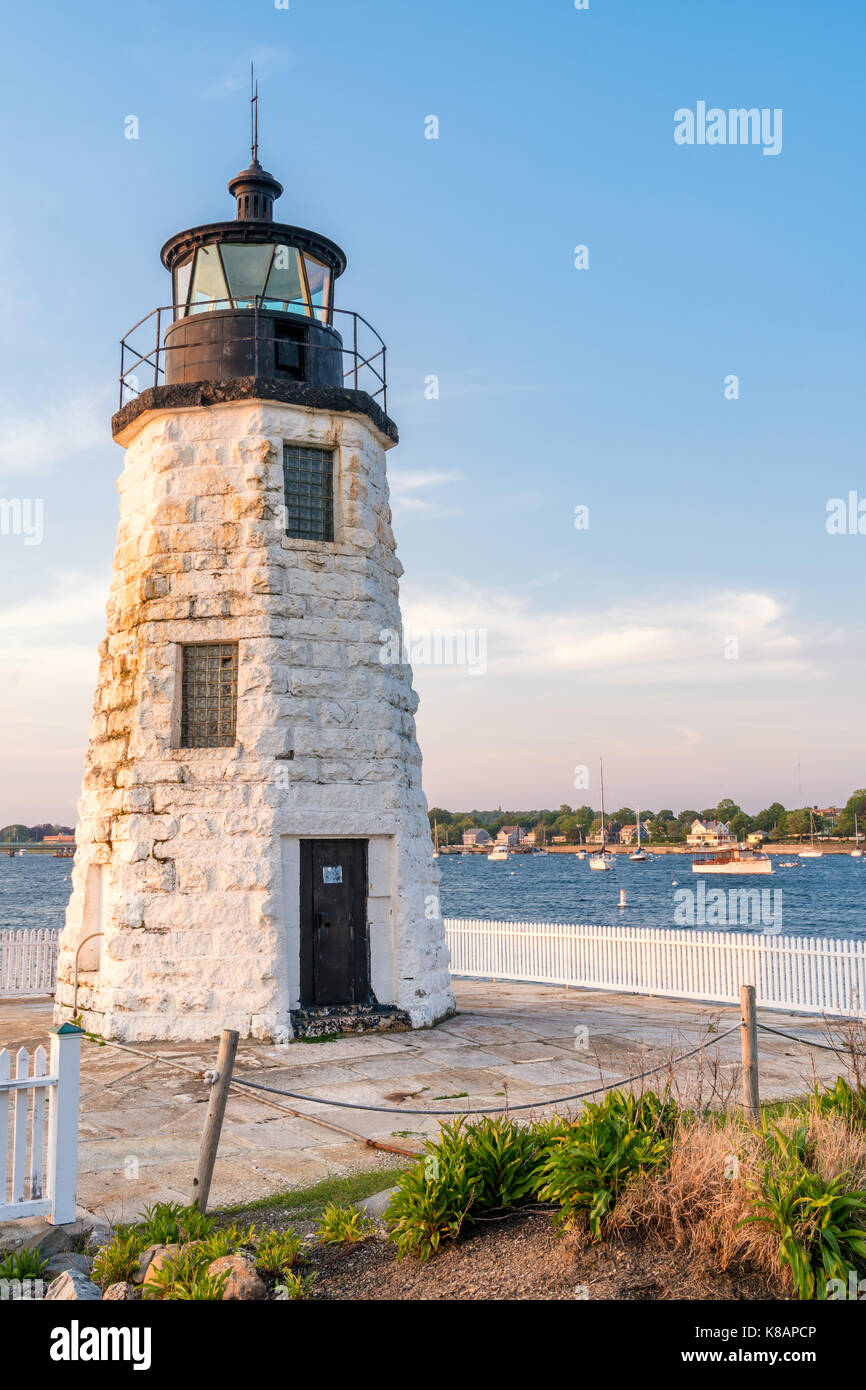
[737, 860]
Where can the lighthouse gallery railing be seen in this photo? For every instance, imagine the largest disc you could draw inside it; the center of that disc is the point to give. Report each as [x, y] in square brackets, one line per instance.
[144, 349]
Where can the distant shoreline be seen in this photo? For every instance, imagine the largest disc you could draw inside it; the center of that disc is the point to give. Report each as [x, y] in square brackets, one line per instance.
[782, 847]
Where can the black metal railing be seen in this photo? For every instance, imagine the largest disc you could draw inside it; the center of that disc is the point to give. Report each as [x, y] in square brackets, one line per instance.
[144, 351]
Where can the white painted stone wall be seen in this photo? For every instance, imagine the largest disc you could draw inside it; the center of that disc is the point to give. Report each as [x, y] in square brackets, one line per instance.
[198, 848]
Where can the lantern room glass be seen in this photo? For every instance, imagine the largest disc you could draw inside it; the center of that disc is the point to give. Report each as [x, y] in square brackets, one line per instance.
[237, 275]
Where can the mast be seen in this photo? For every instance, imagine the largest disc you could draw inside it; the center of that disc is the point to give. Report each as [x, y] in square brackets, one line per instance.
[601, 779]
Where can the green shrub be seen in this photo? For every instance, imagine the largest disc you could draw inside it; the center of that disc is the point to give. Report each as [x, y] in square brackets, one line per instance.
[184, 1278]
[228, 1240]
[843, 1099]
[278, 1251]
[26, 1264]
[433, 1196]
[821, 1224]
[114, 1263]
[590, 1161]
[491, 1164]
[294, 1286]
[169, 1223]
[344, 1226]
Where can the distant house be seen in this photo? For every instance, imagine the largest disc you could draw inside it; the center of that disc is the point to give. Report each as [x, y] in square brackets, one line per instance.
[476, 837]
[58, 840]
[628, 834]
[709, 834]
[828, 814]
[510, 835]
[756, 837]
[558, 840]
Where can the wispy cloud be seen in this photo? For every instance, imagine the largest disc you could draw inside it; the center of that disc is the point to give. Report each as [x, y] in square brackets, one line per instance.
[405, 486]
[644, 641]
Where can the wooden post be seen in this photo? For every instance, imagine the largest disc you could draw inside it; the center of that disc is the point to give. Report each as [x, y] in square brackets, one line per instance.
[213, 1121]
[749, 1043]
[62, 1172]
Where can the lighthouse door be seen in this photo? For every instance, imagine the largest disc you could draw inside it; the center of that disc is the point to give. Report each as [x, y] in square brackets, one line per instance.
[335, 953]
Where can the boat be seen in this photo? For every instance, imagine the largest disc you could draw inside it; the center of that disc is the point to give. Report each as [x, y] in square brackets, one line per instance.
[789, 864]
[811, 852]
[499, 854]
[736, 860]
[435, 840]
[601, 861]
[66, 852]
[857, 852]
[639, 855]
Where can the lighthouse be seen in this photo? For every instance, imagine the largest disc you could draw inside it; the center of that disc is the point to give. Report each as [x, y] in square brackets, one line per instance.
[253, 848]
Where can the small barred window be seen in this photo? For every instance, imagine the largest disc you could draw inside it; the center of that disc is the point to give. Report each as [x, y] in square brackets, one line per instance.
[209, 695]
[309, 484]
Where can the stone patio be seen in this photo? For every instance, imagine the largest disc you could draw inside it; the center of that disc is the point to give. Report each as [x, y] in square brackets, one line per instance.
[141, 1118]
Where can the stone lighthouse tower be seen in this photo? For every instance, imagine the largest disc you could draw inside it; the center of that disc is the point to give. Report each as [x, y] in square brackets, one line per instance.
[253, 849]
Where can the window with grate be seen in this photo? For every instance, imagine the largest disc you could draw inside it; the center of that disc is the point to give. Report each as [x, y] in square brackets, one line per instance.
[209, 695]
[309, 484]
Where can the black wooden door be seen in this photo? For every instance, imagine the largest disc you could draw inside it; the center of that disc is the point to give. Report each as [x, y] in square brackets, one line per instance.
[335, 953]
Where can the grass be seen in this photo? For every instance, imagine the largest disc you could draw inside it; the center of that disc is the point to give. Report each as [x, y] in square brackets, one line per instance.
[308, 1203]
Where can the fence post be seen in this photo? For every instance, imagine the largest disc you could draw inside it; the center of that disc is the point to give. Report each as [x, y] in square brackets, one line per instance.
[213, 1121]
[65, 1064]
[749, 1044]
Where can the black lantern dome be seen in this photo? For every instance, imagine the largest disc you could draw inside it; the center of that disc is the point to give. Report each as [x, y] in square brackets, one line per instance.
[253, 297]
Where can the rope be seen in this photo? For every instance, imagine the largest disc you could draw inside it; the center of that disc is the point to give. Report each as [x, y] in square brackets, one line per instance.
[492, 1110]
[807, 1042]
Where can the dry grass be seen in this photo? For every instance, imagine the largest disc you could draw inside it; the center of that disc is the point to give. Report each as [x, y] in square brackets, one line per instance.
[700, 1201]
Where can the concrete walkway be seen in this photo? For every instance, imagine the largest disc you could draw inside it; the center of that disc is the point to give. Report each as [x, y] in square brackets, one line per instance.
[141, 1118]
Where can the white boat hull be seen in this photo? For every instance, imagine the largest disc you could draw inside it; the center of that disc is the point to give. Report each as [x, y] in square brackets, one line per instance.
[759, 866]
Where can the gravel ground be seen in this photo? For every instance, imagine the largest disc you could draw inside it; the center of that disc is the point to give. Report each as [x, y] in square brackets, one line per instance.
[523, 1257]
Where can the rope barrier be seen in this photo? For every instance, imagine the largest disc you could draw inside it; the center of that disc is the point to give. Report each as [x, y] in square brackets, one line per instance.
[492, 1110]
[807, 1042]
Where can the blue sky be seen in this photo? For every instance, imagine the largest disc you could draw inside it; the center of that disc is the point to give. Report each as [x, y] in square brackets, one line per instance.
[558, 387]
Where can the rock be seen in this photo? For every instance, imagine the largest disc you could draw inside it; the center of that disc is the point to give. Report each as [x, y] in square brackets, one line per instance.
[374, 1206]
[243, 1282]
[152, 1261]
[73, 1285]
[67, 1260]
[50, 1240]
[120, 1291]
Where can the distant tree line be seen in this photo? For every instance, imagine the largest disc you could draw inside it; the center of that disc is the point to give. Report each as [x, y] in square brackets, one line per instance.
[32, 834]
[578, 823]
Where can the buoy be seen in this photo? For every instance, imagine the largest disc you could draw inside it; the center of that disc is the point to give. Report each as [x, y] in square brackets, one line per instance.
[622, 901]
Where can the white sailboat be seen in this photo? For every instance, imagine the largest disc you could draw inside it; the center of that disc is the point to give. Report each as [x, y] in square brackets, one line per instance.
[435, 840]
[857, 852]
[811, 852]
[601, 861]
[639, 855]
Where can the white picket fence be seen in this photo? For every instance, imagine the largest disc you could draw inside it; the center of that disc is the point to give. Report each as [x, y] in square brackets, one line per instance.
[41, 1177]
[805, 975]
[28, 961]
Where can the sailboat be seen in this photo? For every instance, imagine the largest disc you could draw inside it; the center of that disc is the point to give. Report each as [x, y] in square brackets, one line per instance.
[811, 852]
[639, 855]
[435, 840]
[857, 852]
[542, 848]
[601, 861]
